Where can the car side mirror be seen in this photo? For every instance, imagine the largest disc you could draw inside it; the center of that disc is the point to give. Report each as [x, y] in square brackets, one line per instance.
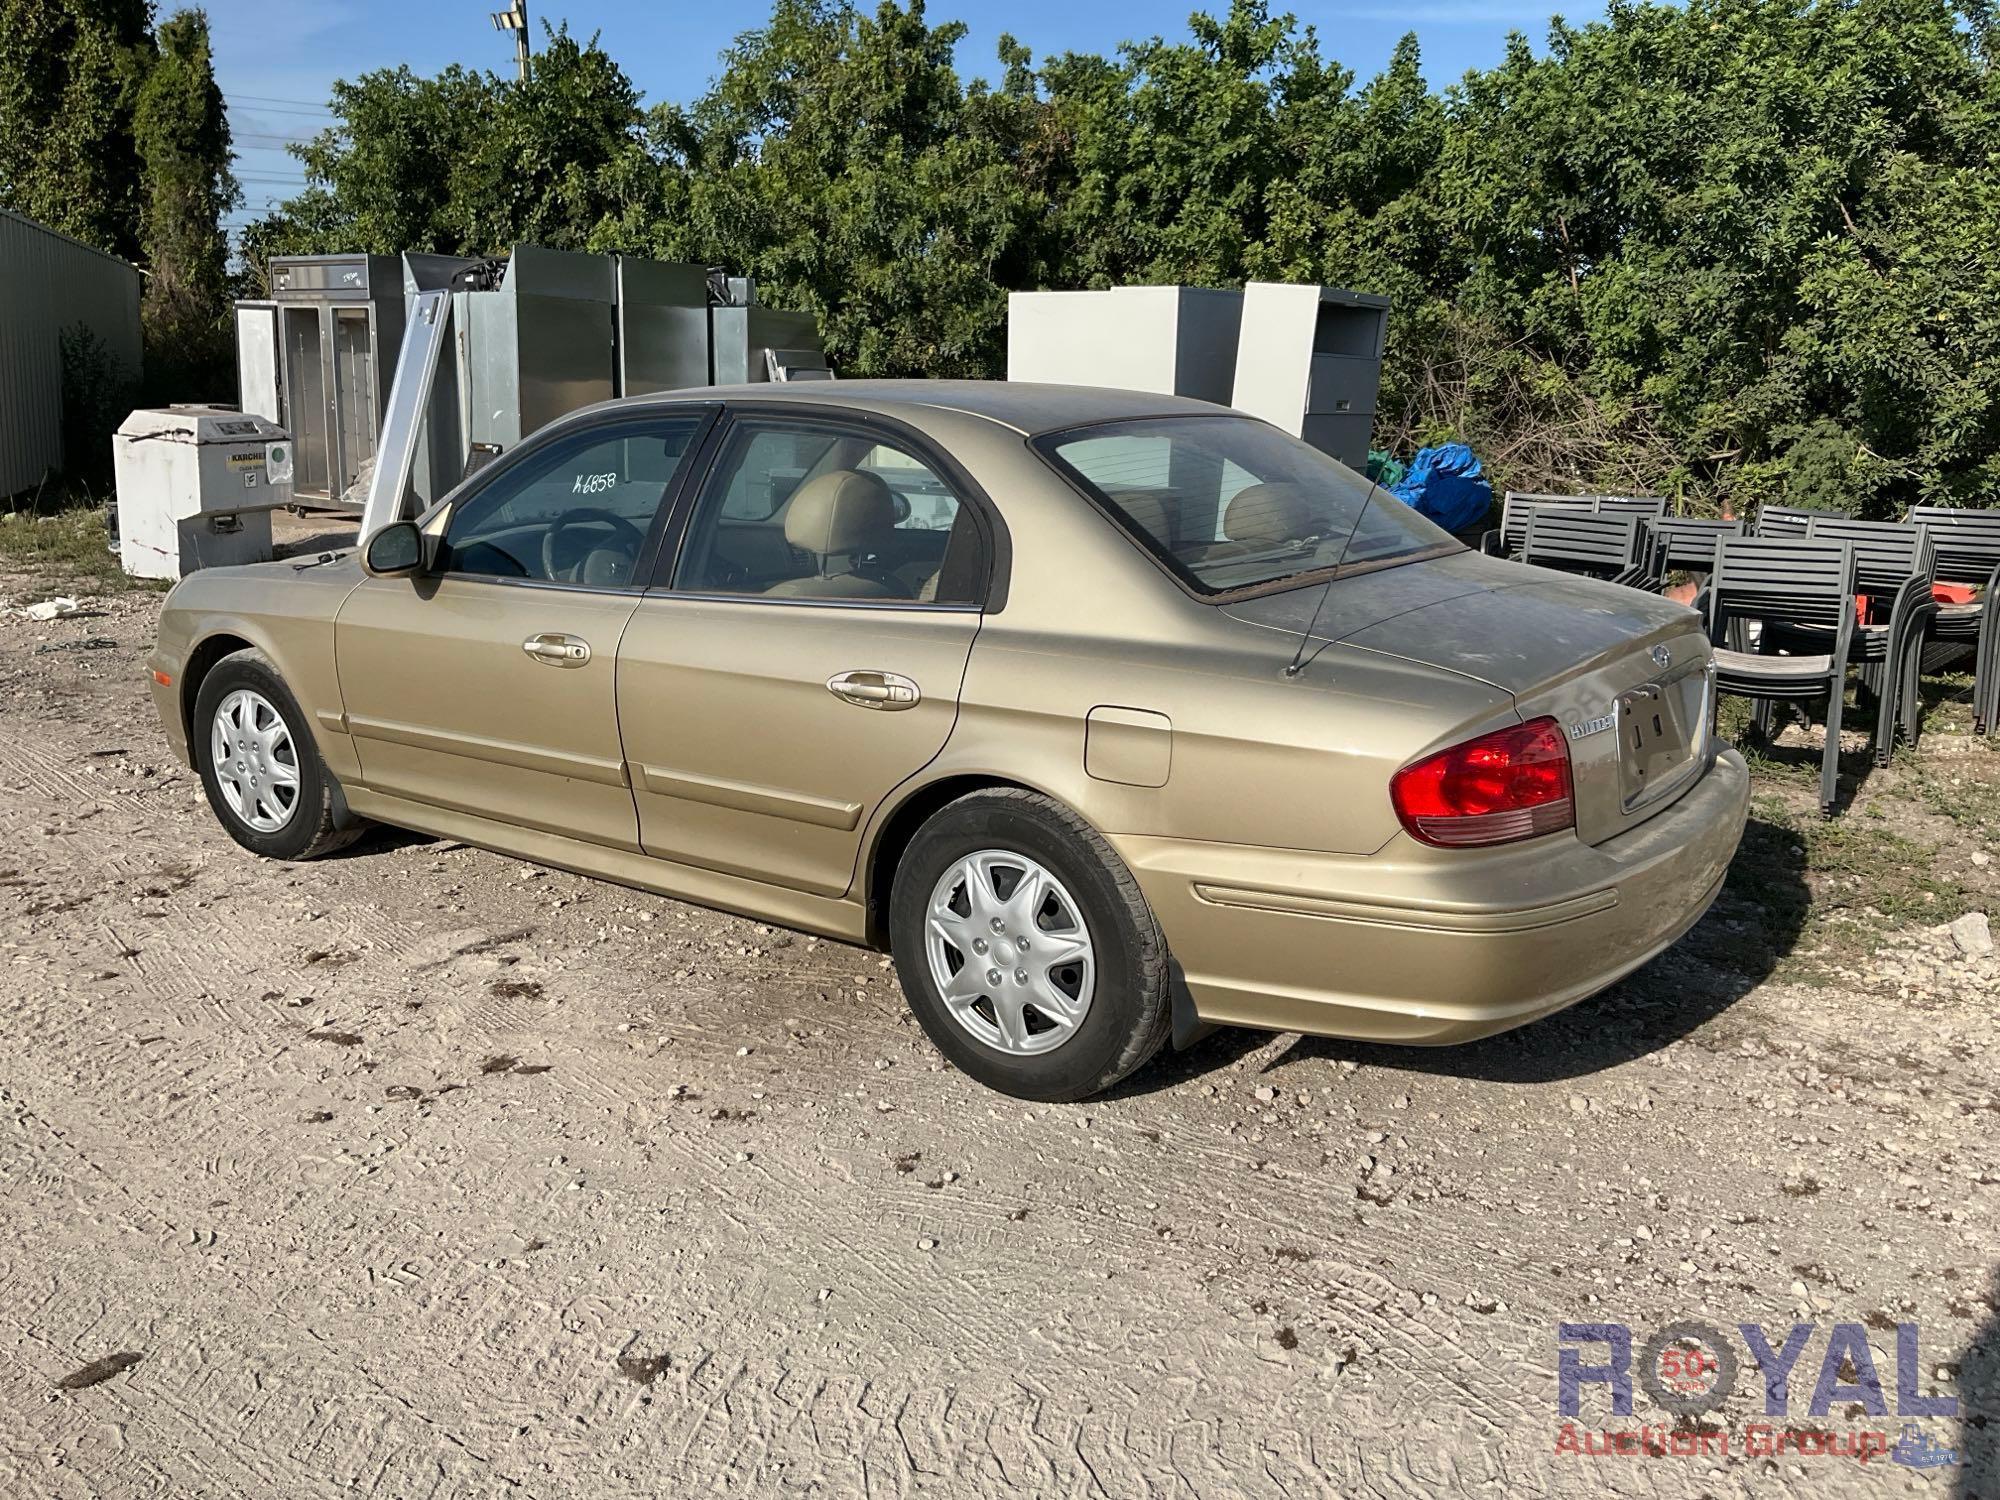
[396, 551]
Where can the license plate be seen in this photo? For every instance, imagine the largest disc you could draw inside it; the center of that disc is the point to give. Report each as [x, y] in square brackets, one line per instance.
[1655, 740]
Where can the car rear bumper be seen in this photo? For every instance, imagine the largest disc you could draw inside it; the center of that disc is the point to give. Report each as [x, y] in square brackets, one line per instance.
[1434, 946]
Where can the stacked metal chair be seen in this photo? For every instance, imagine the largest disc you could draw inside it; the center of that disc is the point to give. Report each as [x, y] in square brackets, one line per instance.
[1894, 566]
[1685, 544]
[1968, 552]
[1616, 546]
[1517, 506]
[1793, 520]
[1650, 506]
[1804, 585]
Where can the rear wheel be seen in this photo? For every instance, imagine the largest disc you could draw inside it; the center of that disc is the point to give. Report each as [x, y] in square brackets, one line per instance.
[1027, 952]
[258, 763]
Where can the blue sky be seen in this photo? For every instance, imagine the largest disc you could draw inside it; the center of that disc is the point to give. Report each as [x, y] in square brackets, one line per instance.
[276, 58]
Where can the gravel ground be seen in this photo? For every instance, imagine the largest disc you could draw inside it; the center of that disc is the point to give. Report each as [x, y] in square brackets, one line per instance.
[418, 1171]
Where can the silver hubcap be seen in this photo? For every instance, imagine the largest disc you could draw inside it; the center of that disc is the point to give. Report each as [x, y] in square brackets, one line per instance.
[1009, 952]
[256, 764]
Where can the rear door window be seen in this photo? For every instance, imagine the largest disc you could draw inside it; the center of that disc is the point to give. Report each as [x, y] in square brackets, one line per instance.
[805, 511]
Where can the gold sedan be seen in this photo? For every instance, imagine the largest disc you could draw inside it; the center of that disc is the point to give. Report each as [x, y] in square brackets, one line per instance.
[1110, 715]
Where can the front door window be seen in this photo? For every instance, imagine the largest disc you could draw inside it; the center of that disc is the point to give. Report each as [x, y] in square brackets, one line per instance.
[579, 512]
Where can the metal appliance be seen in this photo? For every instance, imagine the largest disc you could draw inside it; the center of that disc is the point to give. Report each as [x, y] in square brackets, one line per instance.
[743, 334]
[196, 488]
[796, 364]
[257, 360]
[662, 325]
[338, 325]
[536, 346]
[440, 444]
[496, 349]
[396, 378]
[1309, 360]
[531, 336]
[1178, 340]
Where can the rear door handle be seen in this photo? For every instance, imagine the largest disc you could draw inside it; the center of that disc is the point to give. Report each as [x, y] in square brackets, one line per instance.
[557, 650]
[886, 690]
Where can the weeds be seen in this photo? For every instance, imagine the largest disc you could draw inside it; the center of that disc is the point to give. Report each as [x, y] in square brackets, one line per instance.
[66, 551]
[1831, 889]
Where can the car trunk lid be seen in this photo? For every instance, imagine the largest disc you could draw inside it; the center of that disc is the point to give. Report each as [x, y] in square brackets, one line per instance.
[1624, 673]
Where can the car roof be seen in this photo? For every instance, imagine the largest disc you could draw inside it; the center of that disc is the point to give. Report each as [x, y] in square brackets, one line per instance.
[1025, 407]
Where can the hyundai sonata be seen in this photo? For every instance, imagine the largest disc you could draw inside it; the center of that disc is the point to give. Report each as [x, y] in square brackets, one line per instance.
[1110, 715]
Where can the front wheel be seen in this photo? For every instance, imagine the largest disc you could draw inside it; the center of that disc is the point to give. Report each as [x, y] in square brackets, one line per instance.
[1026, 949]
[258, 763]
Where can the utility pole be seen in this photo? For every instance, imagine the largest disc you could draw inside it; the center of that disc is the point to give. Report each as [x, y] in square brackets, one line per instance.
[515, 19]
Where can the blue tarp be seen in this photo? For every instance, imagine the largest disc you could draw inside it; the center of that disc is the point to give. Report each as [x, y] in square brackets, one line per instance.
[1445, 484]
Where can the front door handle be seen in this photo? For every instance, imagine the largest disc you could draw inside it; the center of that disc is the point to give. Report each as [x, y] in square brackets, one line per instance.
[557, 650]
[889, 690]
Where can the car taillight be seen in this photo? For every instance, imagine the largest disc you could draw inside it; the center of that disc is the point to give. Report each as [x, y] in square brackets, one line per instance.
[1511, 784]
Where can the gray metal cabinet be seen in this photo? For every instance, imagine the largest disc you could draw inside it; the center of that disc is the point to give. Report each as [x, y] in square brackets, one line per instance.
[1178, 340]
[662, 325]
[1309, 360]
[339, 326]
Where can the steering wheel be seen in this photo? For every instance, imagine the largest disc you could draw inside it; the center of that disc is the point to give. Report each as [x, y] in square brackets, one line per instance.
[571, 518]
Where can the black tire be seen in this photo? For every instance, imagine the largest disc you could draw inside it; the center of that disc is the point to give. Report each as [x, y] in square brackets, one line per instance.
[310, 830]
[1130, 1012]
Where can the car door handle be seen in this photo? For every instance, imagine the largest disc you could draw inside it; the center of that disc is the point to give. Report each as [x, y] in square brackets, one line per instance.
[557, 650]
[888, 690]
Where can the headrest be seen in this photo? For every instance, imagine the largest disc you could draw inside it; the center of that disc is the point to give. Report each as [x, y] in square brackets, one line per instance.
[1267, 513]
[840, 512]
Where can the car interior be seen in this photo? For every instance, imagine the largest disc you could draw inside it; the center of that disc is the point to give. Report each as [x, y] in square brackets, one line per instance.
[811, 513]
[579, 515]
[1197, 509]
[1229, 503]
[791, 512]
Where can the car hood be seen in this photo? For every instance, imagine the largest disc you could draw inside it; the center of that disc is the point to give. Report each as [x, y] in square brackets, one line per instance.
[1513, 627]
[340, 562]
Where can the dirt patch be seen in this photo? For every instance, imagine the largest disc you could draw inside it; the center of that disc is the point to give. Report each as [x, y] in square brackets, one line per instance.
[98, 1371]
[643, 1370]
[696, 1248]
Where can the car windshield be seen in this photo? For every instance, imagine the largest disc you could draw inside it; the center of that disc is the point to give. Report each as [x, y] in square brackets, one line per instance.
[1231, 503]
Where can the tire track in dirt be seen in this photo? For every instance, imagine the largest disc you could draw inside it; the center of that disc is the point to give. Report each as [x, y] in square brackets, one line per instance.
[204, 1370]
[429, 1292]
[40, 775]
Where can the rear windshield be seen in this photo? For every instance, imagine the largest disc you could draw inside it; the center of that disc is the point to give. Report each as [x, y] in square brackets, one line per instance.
[1232, 503]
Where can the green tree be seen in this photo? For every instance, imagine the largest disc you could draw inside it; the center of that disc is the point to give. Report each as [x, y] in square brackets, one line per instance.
[1176, 147]
[70, 72]
[1731, 222]
[539, 174]
[840, 162]
[392, 176]
[466, 163]
[183, 140]
[1731, 249]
